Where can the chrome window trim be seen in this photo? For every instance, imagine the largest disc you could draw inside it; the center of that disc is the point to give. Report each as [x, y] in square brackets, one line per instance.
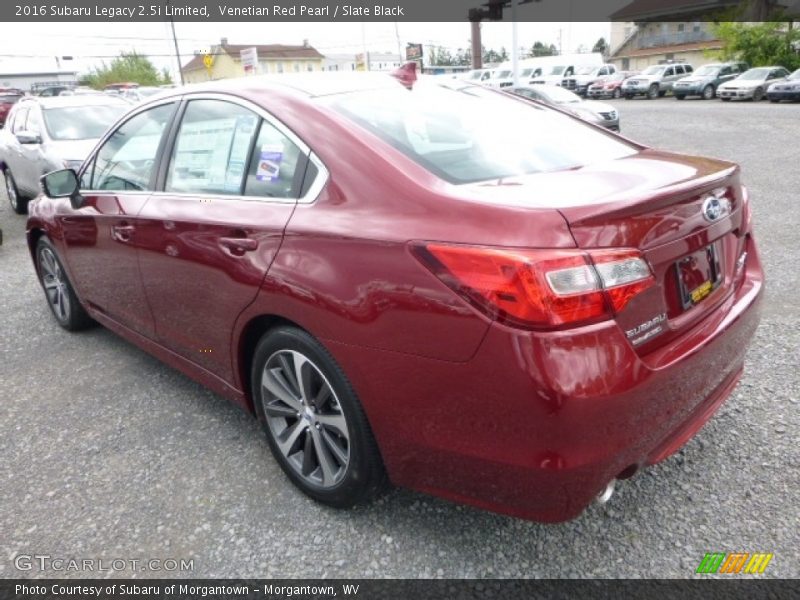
[308, 198]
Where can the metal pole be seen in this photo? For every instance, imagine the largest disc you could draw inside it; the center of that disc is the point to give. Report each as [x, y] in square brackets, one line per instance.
[514, 44]
[175, 41]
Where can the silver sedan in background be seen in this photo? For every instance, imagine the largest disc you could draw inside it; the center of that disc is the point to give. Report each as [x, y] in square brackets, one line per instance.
[47, 134]
[752, 84]
[595, 112]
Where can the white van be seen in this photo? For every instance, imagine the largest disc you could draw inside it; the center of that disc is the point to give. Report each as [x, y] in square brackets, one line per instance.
[563, 67]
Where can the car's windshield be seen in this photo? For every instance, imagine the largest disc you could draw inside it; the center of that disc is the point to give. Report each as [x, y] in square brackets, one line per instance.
[754, 74]
[526, 72]
[654, 70]
[501, 74]
[80, 122]
[707, 70]
[463, 138]
[585, 70]
[556, 70]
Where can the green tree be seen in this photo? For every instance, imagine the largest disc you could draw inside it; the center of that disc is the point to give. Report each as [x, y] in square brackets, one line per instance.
[600, 46]
[760, 44]
[540, 49]
[128, 66]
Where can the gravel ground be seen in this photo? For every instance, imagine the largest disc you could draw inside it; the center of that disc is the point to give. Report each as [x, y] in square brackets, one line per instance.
[107, 453]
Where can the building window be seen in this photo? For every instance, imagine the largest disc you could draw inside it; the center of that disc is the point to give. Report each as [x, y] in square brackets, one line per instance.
[626, 64]
[696, 26]
[309, 67]
[296, 67]
[681, 27]
[280, 67]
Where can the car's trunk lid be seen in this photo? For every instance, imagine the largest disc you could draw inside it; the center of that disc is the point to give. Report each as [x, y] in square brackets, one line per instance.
[654, 202]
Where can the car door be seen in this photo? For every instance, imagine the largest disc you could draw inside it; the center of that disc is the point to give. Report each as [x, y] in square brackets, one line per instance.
[100, 236]
[670, 75]
[32, 159]
[725, 74]
[13, 155]
[207, 240]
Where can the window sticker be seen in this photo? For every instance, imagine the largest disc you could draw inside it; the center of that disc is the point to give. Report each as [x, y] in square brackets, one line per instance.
[269, 162]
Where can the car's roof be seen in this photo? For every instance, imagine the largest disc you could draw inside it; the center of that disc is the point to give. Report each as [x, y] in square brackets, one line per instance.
[308, 84]
[77, 100]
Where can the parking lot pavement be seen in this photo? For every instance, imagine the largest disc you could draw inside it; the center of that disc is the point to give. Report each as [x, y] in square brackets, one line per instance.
[107, 453]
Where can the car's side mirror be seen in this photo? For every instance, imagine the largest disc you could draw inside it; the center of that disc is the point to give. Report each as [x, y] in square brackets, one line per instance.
[62, 184]
[29, 137]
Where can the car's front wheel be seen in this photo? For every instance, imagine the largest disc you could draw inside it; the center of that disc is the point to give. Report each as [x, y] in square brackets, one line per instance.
[18, 204]
[652, 92]
[758, 95]
[680, 97]
[315, 425]
[708, 92]
[58, 290]
[616, 94]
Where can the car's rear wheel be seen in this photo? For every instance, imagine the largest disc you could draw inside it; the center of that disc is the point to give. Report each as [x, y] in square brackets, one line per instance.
[680, 97]
[652, 92]
[315, 425]
[774, 100]
[628, 96]
[758, 95]
[58, 290]
[18, 204]
[708, 92]
[616, 94]
[725, 99]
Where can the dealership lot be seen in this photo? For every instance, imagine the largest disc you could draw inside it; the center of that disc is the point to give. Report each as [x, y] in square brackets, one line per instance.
[107, 453]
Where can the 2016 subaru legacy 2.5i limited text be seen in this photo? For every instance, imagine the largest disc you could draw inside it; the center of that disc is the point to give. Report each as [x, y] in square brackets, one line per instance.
[473, 296]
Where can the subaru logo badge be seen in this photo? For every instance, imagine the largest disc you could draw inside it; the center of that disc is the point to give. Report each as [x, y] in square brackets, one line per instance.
[715, 207]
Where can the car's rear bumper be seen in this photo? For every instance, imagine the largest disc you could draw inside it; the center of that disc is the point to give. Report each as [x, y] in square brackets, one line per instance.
[535, 425]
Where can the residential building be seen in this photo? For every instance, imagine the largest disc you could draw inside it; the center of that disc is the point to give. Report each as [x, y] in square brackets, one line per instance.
[652, 43]
[378, 61]
[226, 61]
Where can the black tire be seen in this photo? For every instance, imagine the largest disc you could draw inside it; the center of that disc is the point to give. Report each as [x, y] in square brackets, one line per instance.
[680, 97]
[364, 477]
[19, 203]
[774, 100]
[709, 92]
[661, 94]
[758, 95]
[628, 96]
[652, 92]
[616, 94]
[69, 313]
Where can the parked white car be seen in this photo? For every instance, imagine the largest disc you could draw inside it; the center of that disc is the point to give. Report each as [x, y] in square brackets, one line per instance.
[48, 134]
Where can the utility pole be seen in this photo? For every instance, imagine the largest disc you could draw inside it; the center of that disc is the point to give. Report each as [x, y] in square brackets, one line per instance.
[514, 43]
[477, 58]
[175, 42]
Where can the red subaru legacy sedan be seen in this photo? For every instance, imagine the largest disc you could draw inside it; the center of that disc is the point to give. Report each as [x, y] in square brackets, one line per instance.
[469, 295]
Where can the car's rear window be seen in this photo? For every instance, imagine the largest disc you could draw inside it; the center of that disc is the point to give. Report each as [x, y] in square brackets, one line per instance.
[463, 138]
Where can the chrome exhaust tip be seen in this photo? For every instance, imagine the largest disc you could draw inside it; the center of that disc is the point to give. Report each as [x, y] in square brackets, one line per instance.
[606, 494]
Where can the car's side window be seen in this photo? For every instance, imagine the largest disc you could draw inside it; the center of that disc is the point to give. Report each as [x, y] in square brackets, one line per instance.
[669, 72]
[127, 159]
[688, 68]
[276, 166]
[212, 148]
[34, 124]
[20, 118]
[725, 71]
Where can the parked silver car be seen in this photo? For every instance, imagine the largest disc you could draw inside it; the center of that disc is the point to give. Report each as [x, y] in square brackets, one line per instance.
[595, 112]
[752, 84]
[655, 80]
[47, 134]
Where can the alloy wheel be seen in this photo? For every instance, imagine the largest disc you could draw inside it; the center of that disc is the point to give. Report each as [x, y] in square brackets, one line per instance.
[708, 92]
[758, 95]
[55, 284]
[305, 418]
[11, 190]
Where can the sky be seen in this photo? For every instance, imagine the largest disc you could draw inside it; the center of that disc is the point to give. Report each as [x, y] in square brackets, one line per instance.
[32, 45]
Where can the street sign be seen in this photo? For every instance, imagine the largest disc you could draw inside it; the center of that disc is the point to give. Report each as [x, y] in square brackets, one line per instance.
[414, 52]
[249, 58]
[208, 61]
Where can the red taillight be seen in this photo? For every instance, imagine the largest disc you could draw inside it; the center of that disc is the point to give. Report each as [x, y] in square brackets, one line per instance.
[539, 289]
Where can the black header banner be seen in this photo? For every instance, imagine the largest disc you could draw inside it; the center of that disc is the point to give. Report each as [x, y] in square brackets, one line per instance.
[394, 10]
